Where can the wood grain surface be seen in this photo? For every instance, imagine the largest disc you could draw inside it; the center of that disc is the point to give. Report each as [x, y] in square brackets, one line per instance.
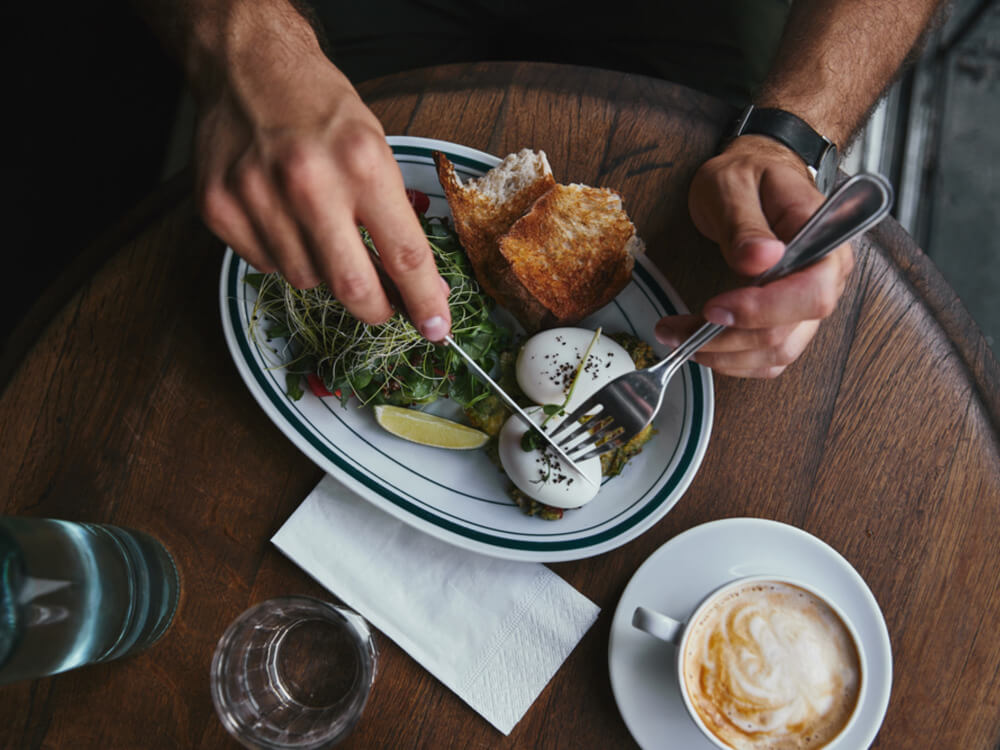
[883, 440]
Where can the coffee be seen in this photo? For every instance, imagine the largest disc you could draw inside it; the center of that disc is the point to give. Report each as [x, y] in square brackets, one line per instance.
[770, 665]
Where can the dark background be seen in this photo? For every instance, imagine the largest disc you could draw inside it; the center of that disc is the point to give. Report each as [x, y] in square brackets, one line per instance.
[91, 99]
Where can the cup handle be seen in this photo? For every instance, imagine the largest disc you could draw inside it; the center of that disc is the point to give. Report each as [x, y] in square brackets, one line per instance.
[657, 625]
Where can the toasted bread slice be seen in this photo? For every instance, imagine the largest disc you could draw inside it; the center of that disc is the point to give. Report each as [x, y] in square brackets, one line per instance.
[573, 251]
[550, 254]
[484, 208]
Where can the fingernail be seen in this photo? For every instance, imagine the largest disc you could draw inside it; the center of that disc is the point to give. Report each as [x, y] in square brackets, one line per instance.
[762, 244]
[435, 328]
[718, 315]
[666, 336]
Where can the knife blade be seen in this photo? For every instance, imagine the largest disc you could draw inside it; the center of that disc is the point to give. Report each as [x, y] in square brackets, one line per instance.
[392, 292]
[512, 404]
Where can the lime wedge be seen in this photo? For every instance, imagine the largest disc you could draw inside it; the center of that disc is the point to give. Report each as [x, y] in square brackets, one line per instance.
[428, 429]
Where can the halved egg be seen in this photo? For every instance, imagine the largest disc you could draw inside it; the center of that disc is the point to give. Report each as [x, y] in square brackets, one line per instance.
[548, 361]
[540, 473]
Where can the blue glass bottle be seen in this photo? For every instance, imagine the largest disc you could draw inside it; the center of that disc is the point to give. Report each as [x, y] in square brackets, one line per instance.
[79, 593]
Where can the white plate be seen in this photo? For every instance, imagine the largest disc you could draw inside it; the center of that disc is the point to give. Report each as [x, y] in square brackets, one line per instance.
[684, 570]
[459, 496]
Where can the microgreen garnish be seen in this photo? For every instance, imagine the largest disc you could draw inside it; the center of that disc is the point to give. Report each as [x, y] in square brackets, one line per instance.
[532, 440]
[388, 363]
[293, 385]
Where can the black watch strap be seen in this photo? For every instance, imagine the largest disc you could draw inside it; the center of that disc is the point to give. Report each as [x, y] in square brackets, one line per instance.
[819, 153]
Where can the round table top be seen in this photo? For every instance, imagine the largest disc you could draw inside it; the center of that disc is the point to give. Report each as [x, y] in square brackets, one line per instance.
[883, 440]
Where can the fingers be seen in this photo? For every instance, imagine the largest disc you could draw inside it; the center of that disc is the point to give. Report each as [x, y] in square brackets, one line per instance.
[314, 195]
[277, 231]
[760, 354]
[809, 294]
[768, 327]
[751, 200]
[406, 255]
[377, 194]
[756, 353]
[226, 218]
[346, 266]
[788, 200]
[219, 206]
[295, 207]
[673, 329]
[725, 206]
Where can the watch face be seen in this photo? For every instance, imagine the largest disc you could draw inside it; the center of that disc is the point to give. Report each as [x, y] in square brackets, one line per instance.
[826, 173]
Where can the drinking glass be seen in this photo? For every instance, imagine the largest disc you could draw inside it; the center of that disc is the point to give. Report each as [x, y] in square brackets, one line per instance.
[79, 593]
[293, 672]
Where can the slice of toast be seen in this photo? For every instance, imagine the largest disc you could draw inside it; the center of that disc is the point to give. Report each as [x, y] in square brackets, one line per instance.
[573, 251]
[550, 254]
[484, 208]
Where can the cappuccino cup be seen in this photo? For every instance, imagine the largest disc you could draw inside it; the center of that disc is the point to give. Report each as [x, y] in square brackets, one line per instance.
[766, 662]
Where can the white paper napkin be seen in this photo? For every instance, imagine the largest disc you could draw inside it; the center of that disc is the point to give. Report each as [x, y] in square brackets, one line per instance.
[494, 631]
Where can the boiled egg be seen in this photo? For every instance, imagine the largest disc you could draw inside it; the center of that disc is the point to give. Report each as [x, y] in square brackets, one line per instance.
[548, 361]
[541, 474]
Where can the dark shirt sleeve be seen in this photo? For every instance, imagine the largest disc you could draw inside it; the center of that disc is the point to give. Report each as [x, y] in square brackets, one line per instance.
[723, 47]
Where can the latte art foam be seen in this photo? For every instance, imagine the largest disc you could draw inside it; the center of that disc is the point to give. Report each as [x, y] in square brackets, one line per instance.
[770, 665]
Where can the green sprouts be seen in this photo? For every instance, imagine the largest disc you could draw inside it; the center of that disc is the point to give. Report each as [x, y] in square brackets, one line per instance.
[387, 363]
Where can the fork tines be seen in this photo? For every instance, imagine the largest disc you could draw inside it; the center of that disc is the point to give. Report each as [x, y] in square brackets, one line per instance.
[594, 434]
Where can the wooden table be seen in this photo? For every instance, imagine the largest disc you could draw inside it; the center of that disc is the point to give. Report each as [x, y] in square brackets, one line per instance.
[882, 440]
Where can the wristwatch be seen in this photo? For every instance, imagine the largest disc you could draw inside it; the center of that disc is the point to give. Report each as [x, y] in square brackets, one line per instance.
[819, 153]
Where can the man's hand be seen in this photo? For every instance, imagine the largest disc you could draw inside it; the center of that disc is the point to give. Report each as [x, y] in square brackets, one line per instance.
[289, 162]
[751, 199]
[835, 59]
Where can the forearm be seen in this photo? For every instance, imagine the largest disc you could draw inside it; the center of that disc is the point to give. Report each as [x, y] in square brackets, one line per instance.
[837, 57]
[215, 41]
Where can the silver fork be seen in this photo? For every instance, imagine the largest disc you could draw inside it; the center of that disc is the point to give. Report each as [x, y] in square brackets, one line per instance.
[621, 409]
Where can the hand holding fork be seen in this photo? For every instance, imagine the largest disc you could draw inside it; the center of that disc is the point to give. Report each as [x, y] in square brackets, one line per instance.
[621, 409]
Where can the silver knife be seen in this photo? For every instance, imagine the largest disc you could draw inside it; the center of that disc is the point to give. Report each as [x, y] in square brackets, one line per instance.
[482, 375]
[396, 299]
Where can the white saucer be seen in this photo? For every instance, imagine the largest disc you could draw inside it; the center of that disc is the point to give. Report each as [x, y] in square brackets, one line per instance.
[680, 573]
